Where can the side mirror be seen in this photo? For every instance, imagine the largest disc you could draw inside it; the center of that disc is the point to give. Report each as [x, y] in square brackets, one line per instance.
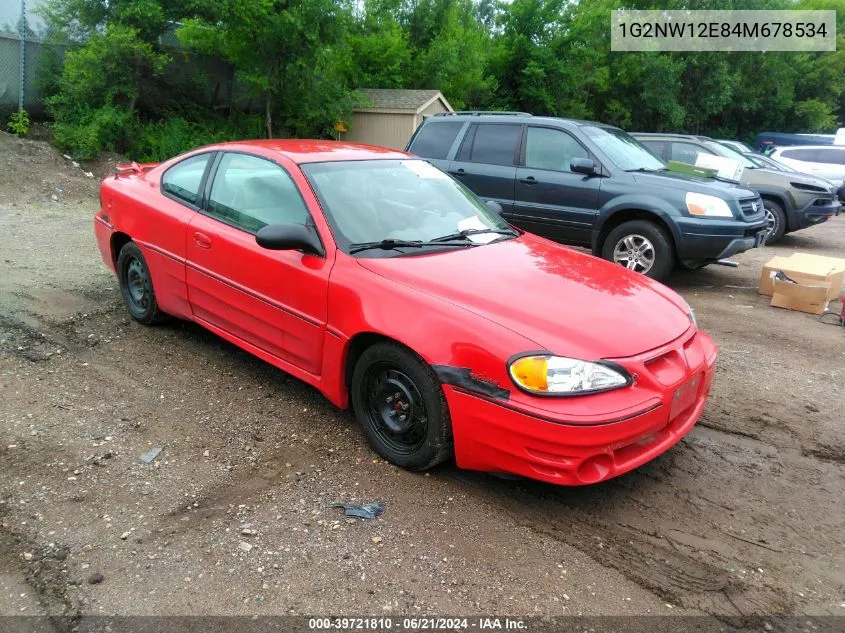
[583, 166]
[289, 237]
[495, 207]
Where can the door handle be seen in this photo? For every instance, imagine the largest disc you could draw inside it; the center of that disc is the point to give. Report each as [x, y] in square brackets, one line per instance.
[531, 180]
[203, 241]
[459, 172]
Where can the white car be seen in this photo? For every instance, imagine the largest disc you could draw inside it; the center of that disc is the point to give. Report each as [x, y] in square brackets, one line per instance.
[827, 161]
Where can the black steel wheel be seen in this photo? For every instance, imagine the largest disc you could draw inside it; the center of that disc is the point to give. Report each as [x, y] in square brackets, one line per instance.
[401, 408]
[136, 285]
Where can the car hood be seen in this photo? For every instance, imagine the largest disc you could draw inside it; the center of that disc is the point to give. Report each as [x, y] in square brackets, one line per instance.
[786, 178]
[560, 299]
[721, 189]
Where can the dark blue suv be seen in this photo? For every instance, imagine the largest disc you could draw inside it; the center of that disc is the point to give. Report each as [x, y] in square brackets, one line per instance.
[593, 185]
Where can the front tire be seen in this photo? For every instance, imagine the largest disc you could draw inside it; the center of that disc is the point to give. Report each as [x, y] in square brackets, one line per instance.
[400, 405]
[776, 219]
[136, 286]
[641, 246]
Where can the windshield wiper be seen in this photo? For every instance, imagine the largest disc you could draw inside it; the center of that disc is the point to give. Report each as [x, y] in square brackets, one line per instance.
[388, 245]
[462, 235]
[646, 170]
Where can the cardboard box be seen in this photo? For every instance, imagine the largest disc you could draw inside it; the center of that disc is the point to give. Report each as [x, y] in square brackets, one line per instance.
[806, 269]
[801, 297]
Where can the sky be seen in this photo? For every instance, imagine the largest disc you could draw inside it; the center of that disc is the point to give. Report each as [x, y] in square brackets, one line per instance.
[10, 10]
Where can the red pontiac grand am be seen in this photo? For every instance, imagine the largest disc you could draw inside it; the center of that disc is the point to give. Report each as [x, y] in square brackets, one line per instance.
[395, 291]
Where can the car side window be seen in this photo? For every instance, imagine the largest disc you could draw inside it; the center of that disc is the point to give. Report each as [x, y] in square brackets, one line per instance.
[655, 147]
[495, 144]
[686, 152]
[830, 156]
[434, 140]
[465, 151]
[251, 192]
[551, 149]
[807, 155]
[183, 180]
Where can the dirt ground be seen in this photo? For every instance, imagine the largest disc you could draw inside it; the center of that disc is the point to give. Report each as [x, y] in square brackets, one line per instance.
[745, 516]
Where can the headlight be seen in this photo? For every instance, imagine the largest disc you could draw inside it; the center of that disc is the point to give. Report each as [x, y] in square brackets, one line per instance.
[691, 315]
[559, 376]
[702, 204]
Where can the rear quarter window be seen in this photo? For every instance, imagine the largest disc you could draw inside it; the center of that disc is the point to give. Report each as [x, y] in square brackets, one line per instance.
[435, 140]
[182, 181]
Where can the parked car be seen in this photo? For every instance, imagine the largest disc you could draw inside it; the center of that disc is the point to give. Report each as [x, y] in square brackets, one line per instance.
[793, 201]
[826, 162]
[771, 163]
[737, 146]
[593, 185]
[395, 291]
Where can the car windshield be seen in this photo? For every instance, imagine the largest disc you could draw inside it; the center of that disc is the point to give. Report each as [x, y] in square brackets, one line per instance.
[727, 152]
[742, 148]
[624, 150]
[371, 201]
[769, 163]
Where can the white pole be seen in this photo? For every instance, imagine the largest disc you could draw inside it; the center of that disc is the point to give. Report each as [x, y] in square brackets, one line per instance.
[22, 34]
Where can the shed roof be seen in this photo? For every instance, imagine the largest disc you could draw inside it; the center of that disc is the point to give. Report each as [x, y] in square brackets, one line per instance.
[394, 100]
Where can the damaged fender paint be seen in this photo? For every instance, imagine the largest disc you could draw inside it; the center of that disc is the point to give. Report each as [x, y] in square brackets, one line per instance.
[464, 378]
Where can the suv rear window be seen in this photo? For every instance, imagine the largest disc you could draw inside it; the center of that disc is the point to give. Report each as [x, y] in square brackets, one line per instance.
[435, 139]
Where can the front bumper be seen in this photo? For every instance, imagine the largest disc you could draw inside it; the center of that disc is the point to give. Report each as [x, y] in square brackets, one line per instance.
[710, 240]
[816, 212]
[497, 436]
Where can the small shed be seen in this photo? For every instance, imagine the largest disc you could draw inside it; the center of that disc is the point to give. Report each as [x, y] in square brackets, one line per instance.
[389, 117]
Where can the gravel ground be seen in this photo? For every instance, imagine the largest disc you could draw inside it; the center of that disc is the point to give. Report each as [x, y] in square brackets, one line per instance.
[743, 517]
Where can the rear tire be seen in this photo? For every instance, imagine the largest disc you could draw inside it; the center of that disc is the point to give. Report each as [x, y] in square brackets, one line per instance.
[400, 405]
[641, 246]
[776, 218]
[136, 286]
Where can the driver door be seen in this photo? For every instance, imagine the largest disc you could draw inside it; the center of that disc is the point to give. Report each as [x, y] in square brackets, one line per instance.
[274, 301]
[549, 198]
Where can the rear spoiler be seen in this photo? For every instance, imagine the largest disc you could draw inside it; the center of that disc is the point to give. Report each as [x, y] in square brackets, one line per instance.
[127, 169]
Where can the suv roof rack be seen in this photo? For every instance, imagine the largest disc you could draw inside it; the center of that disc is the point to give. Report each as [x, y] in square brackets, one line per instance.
[483, 112]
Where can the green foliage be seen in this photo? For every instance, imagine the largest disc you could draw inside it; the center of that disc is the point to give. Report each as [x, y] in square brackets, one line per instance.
[19, 123]
[286, 54]
[159, 140]
[814, 115]
[88, 132]
[292, 68]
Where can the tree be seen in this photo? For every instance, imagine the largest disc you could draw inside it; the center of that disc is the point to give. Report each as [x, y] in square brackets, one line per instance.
[285, 52]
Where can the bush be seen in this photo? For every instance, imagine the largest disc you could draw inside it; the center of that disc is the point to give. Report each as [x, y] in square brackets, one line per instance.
[158, 140]
[19, 123]
[91, 132]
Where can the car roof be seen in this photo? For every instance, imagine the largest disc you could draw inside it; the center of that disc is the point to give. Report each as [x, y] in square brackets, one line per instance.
[313, 151]
[689, 137]
[510, 117]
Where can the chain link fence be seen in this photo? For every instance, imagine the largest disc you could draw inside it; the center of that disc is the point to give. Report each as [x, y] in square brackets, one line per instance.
[23, 53]
[20, 57]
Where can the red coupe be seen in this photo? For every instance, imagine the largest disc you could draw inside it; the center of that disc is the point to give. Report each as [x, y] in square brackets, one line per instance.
[395, 291]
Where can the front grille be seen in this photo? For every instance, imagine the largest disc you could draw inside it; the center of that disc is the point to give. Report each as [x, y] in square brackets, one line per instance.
[751, 207]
